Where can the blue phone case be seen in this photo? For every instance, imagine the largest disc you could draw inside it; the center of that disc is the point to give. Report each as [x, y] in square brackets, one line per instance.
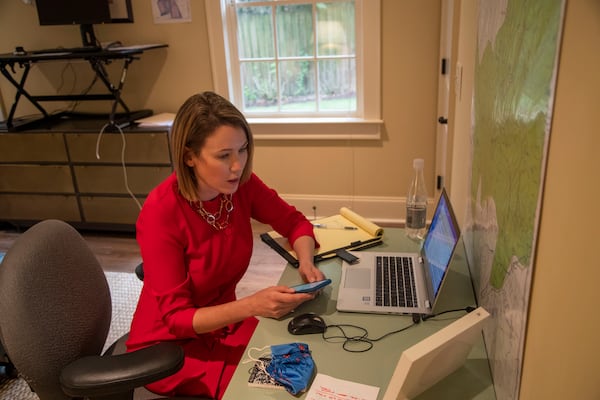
[311, 287]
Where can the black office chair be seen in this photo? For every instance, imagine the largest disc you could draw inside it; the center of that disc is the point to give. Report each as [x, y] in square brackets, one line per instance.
[139, 271]
[7, 368]
[55, 312]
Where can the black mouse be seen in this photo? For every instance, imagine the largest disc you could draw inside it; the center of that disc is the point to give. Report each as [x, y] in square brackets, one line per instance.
[305, 324]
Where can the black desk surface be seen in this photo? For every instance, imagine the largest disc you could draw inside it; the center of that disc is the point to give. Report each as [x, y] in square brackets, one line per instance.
[56, 54]
[83, 123]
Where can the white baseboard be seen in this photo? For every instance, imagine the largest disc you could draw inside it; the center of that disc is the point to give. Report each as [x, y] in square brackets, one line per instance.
[380, 210]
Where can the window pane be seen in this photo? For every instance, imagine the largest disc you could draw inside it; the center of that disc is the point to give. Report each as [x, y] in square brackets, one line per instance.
[255, 32]
[297, 85]
[337, 85]
[296, 57]
[335, 29]
[259, 83]
[295, 30]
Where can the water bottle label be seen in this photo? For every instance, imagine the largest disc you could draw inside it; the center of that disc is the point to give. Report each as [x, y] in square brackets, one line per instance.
[416, 217]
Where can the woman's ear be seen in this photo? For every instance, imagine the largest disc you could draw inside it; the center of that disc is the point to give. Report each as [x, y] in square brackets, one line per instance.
[188, 157]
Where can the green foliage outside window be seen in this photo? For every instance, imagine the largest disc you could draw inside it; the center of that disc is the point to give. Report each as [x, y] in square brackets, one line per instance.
[294, 58]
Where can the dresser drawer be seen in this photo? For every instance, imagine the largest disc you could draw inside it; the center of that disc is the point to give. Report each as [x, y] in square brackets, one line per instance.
[112, 210]
[36, 178]
[32, 147]
[110, 179]
[143, 148]
[38, 207]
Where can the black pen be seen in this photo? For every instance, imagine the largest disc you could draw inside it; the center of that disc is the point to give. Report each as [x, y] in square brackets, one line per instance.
[324, 226]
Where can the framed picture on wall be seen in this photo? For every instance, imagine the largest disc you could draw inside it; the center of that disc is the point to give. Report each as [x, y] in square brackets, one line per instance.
[171, 11]
[120, 10]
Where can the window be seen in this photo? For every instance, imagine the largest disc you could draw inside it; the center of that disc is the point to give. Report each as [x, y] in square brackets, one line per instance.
[298, 66]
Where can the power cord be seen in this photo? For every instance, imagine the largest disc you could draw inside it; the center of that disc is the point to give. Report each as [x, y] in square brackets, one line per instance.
[361, 342]
[124, 145]
[357, 343]
[429, 316]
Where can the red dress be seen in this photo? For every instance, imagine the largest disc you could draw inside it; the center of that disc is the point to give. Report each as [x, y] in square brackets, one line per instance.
[189, 264]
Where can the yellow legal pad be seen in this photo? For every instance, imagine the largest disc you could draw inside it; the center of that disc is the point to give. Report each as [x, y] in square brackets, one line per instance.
[346, 230]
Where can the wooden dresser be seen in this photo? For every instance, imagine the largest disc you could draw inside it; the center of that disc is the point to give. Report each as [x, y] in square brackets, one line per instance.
[68, 171]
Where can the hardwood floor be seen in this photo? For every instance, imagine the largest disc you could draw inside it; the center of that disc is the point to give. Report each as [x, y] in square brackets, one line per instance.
[119, 252]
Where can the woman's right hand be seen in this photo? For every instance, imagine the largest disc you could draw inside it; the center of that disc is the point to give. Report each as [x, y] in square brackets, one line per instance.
[276, 301]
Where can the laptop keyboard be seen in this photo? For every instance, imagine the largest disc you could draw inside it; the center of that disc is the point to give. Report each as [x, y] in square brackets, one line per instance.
[395, 282]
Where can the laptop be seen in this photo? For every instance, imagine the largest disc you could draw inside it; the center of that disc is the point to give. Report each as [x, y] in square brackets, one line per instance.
[424, 272]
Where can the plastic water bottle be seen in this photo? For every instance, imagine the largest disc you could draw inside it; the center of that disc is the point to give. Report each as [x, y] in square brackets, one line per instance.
[416, 203]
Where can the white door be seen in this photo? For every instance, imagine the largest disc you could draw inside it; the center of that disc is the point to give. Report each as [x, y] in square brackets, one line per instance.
[444, 86]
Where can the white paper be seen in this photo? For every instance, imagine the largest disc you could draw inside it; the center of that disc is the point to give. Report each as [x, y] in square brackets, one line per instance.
[330, 388]
[162, 119]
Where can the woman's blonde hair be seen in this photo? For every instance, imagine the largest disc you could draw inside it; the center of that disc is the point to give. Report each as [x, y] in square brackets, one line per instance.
[197, 119]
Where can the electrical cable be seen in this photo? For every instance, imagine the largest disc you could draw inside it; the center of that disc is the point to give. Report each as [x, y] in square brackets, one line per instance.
[124, 145]
[466, 309]
[361, 342]
[84, 92]
[68, 65]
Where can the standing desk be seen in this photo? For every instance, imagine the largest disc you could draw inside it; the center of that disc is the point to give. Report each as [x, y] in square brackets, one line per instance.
[375, 367]
[96, 60]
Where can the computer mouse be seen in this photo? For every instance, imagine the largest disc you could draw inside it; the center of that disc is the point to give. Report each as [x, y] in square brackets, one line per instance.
[305, 324]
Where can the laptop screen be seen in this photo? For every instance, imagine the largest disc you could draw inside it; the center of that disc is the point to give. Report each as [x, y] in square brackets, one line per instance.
[440, 241]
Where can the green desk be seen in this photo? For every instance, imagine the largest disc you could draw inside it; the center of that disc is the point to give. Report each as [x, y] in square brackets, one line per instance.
[376, 366]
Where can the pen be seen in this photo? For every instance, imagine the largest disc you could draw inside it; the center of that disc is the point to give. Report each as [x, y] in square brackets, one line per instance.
[347, 228]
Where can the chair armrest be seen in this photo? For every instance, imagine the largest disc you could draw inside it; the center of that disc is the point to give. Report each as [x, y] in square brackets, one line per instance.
[94, 376]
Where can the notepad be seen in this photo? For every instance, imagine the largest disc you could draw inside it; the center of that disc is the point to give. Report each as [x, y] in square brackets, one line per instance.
[331, 231]
[346, 230]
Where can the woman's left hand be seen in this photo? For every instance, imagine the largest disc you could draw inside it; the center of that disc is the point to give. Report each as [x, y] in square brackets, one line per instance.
[310, 273]
[305, 248]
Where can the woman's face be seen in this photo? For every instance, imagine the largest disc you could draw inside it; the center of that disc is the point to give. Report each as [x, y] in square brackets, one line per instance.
[220, 163]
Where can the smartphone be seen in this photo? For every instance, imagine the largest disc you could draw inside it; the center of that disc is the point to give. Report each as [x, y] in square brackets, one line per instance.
[311, 287]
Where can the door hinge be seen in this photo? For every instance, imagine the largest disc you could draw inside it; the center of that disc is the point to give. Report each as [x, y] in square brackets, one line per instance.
[444, 63]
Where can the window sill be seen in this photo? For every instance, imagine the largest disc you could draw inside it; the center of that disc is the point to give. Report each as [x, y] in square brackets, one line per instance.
[315, 129]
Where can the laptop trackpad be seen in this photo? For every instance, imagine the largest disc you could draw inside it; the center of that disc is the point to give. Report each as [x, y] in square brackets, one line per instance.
[358, 278]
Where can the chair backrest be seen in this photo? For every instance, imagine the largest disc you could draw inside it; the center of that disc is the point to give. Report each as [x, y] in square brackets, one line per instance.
[55, 304]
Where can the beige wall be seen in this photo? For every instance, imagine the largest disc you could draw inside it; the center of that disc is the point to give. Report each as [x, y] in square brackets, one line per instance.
[161, 80]
[374, 169]
[562, 350]
[326, 173]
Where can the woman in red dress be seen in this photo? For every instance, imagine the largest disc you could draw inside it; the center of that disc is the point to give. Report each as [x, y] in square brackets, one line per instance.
[195, 238]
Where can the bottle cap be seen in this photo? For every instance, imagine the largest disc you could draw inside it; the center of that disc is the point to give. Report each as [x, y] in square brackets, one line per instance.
[418, 163]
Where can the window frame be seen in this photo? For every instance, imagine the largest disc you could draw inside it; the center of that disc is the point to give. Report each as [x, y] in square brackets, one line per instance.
[365, 126]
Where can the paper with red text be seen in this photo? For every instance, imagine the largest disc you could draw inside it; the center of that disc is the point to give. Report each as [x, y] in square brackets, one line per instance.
[330, 388]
